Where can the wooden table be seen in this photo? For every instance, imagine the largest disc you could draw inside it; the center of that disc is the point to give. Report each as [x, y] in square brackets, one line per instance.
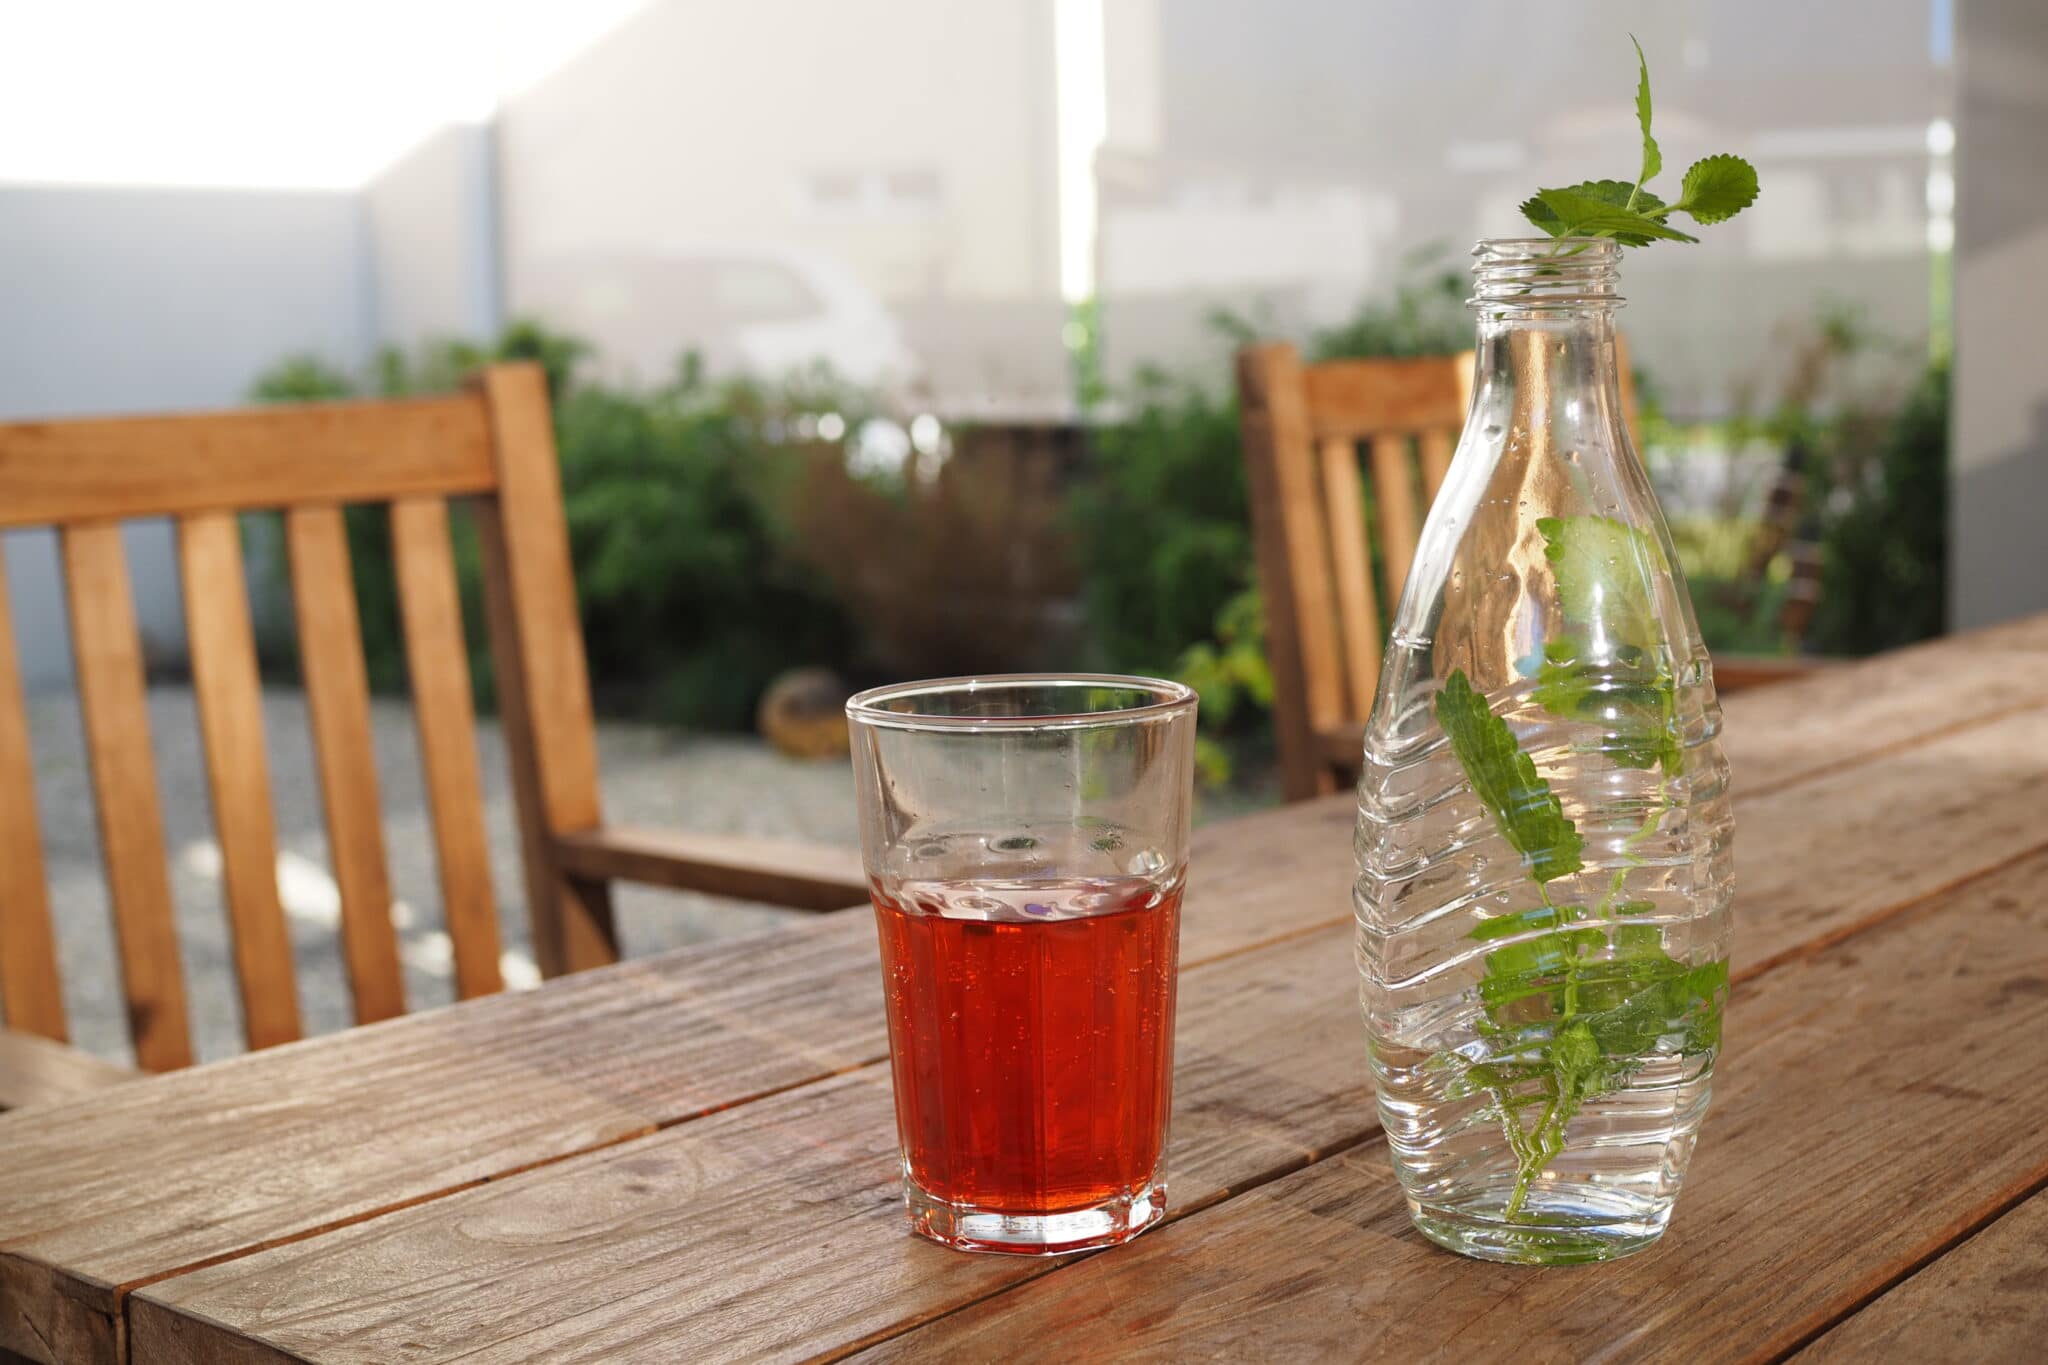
[692, 1156]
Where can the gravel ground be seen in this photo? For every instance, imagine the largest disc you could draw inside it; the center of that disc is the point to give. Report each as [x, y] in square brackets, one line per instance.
[652, 776]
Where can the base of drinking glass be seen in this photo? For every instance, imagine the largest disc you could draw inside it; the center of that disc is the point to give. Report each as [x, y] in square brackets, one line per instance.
[969, 1228]
[1557, 1225]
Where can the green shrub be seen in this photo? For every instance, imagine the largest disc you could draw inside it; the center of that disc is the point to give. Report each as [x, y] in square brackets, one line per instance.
[690, 602]
[690, 605]
[1162, 528]
[1884, 548]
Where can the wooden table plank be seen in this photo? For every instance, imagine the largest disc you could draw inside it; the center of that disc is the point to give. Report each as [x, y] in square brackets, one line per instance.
[768, 1281]
[1871, 1107]
[1777, 735]
[771, 1230]
[1825, 859]
[93, 1199]
[1985, 1300]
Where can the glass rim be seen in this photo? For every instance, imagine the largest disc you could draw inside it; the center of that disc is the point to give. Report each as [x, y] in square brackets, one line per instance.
[1166, 700]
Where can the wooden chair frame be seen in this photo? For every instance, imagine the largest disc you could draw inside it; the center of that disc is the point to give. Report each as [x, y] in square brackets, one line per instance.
[1326, 614]
[492, 447]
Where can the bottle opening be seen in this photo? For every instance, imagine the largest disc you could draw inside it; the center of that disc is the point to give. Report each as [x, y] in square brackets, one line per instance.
[1545, 272]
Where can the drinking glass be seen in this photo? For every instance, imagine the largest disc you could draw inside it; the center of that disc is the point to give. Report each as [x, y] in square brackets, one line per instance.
[1026, 845]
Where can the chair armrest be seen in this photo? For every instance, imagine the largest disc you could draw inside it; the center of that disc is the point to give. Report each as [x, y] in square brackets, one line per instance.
[34, 1070]
[780, 872]
[1737, 672]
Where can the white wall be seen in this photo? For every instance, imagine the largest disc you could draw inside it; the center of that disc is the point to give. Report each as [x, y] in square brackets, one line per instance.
[433, 239]
[140, 300]
[1999, 470]
[906, 143]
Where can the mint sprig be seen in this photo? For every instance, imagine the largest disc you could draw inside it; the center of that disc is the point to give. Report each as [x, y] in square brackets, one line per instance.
[1715, 189]
[1572, 999]
[1653, 159]
[1504, 778]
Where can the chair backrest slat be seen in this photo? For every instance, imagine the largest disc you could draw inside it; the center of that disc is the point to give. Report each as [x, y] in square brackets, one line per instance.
[1361, 399]
[338, 697]
[30, 999]
[1351, 562]
[120, 467]
[1324, 637]
[543, 685]
[431, 609]
[230, 697]
[107, 650]
[1291, 541]
[322, 466]
[1438, 444]
[1326, 616]
[1393, 486]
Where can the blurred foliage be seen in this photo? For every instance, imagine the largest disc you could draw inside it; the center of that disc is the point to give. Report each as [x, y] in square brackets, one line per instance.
[723, 532]
[1163, 529]
[1233, 677]
[1738, 610]
[1884, 539]
[691, 602]
[1859, 425]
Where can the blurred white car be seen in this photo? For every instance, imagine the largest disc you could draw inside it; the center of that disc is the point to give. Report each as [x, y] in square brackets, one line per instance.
[762, 311]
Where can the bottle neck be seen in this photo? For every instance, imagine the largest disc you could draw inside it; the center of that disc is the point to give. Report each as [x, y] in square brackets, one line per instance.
[1546, 369]
[1549, 372]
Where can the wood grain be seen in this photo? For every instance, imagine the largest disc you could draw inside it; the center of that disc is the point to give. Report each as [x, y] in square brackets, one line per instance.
[341, 1127]
[1438, 444]
[30, 998]
[1985, 1300]
[1780, 734]
[230, 698]
[543, 685]
[1289, 539]
[1832, 719]
[338, 698]
[1356, 400]
[1393, 486]
[1904, 1030]
[1351, 559]
[39, 1070]
[557, 904]
[774, 1230]
[114, 468]
[107, 653]
[778, 871]
[438, 663]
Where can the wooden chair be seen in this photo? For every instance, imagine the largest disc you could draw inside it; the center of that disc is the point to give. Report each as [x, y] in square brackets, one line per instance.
[1326, 608]
[492, 448]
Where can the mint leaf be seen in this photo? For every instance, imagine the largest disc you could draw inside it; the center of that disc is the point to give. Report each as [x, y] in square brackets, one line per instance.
[1604, 569]
[1529, 815]
[1653, 160]
[1521, 922]
[1579, 214]
[1611, 192]
[1717, 188]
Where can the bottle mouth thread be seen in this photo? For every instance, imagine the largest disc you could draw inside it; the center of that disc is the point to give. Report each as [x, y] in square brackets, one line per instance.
[1534, 273]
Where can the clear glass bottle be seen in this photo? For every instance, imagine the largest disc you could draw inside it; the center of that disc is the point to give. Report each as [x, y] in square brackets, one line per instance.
[1543, 833]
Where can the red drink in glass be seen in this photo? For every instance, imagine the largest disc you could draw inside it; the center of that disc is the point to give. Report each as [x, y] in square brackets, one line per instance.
[1026, 841]
[1031, 1034]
